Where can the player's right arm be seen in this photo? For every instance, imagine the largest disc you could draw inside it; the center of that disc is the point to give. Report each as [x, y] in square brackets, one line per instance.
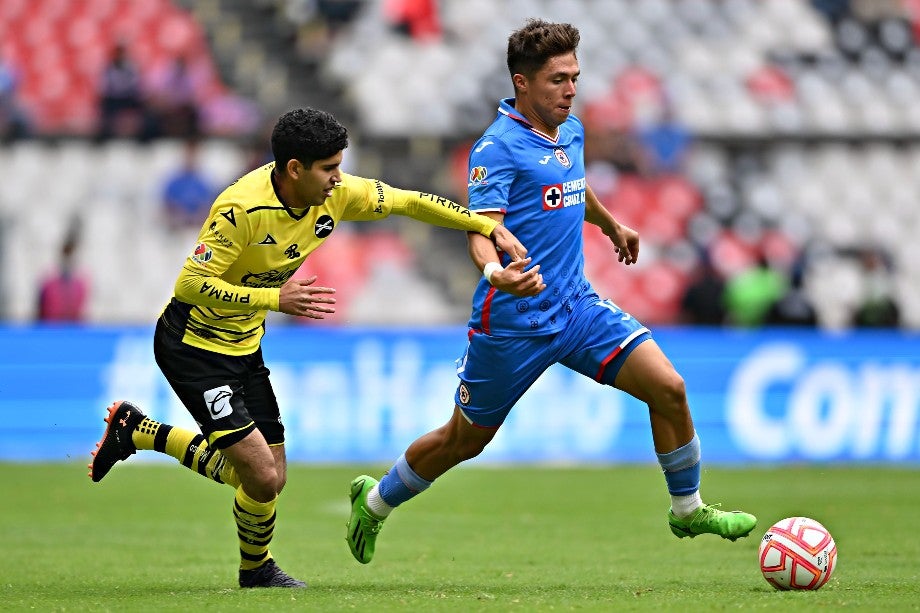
[492, 170]
[221, 241]
[513, 279]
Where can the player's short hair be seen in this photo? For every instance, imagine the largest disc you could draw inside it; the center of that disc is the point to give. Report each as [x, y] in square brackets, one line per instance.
[530, 47]
[307, 135]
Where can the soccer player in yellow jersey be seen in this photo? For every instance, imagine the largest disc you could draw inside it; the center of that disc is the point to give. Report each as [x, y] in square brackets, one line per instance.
[207, 340]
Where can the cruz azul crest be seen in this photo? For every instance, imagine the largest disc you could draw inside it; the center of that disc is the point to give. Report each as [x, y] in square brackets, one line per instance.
[562, 157]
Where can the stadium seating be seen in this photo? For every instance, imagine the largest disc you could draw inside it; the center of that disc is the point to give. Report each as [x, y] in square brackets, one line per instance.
[60, 47]
[799, 118]
[132, 257]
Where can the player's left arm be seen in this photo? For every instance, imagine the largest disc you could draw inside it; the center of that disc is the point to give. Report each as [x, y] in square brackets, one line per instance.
[383, 200]
[625, 240]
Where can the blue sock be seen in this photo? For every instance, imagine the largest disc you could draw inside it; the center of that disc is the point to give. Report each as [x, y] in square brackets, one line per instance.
[682, 468]
[401, 483]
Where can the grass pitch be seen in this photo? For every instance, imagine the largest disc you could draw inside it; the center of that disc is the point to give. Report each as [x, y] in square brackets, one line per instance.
[154, 537]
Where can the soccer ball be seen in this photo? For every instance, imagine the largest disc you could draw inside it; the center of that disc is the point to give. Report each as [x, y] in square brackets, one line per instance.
[797, 553]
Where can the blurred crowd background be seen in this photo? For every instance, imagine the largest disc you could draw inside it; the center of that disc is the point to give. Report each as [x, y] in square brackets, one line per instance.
[768, 151]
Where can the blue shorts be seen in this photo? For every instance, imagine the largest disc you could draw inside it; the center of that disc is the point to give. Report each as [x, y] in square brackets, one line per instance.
[496, 371]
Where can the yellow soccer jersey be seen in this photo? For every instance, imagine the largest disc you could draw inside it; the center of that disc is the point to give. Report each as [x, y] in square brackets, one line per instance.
[252, 243]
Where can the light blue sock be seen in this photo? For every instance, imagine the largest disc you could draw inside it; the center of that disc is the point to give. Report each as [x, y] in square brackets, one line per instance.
[401, 483]
[682, 468]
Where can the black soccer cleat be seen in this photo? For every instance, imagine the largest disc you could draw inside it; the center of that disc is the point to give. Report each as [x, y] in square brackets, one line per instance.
[268, 575]
[116, 443]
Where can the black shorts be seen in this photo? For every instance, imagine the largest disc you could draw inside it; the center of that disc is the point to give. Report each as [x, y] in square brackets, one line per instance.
[227, 395]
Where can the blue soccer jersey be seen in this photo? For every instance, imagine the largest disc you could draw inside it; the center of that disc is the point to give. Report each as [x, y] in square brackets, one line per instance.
[538, 182]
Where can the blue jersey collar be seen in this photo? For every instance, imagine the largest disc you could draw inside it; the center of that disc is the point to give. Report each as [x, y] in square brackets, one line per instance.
[506, 108]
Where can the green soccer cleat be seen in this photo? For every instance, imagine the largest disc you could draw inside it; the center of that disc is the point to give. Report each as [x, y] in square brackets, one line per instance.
[708, 519]
[363, 526]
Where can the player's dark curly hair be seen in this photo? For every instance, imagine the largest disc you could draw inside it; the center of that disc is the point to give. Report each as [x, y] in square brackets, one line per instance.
[307, 135]
[531, 46]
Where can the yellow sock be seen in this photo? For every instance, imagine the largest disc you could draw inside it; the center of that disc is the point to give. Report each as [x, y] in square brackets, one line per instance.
[190, 448]
[255, 522]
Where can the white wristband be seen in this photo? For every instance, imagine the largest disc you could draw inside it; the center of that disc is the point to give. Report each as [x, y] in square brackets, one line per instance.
[489, 269]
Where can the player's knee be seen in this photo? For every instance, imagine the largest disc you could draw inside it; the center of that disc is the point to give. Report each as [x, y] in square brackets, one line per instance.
[263, 484]
[469, 449]
[672, 393]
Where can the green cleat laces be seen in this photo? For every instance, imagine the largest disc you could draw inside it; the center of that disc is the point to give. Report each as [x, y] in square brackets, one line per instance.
[710, 520]
[363, 526]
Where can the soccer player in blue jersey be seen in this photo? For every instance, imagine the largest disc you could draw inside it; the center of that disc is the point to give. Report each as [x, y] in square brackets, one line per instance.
[528, 171]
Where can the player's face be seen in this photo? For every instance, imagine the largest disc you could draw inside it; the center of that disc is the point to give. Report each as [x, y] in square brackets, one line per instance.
[315, 184]
[550, 92]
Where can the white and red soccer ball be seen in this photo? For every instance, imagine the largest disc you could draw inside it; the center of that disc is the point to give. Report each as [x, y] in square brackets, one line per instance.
[797, 553]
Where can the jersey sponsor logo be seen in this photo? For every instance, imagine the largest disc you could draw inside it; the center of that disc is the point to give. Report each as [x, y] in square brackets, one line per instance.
[545, 160]
[483, 145]
[228, 215]
[268, 240]
[324, 226]
[562, 157]
[552, 197]
[561, 195]
[202, 254]
[447, 204]
[218, 401]
[269, 278]
[478, 175]
[220, 238]
[223, 295]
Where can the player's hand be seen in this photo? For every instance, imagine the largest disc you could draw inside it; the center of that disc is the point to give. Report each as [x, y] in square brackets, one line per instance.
[626, 243]
[508, 242]
[300, 297]
[517, 281]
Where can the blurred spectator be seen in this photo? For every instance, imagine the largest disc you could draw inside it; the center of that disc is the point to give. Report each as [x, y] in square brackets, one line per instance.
[63, 293]
[878, 308]
[794, 308]
[173, 99]
[834, 10]
[14, 123]
[187, 193]
[122, 109]
[665, 143]
[338, 13]
[418, 19]
[616, 148]
[230, 114]
[703, 303]
[750, 293]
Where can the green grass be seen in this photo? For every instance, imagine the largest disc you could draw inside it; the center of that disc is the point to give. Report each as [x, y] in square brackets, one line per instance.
[155, 537]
